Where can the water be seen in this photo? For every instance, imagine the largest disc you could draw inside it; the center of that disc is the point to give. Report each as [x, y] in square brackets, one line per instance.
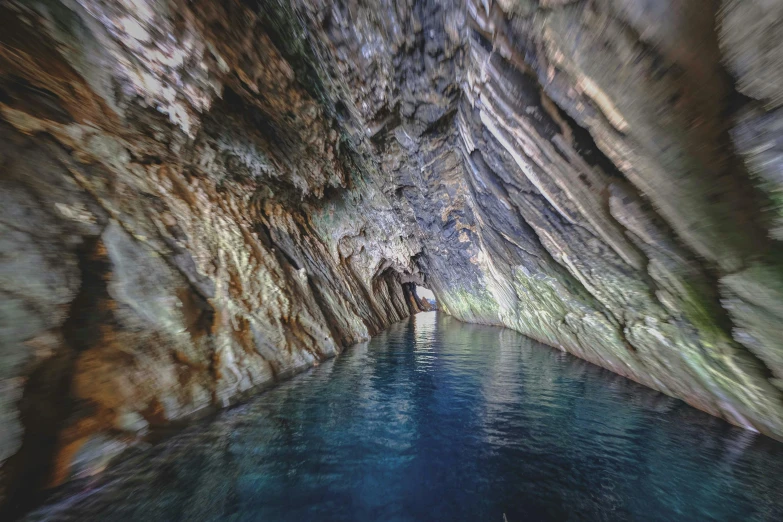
[439, 420]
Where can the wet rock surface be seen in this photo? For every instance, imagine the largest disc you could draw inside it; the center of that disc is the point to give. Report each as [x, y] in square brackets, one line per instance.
[199, 198]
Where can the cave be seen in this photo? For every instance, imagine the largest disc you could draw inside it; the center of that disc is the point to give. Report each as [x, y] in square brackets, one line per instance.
[205, 199]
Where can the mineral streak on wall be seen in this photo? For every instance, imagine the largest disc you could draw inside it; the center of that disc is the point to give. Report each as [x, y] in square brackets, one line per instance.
[201, 197]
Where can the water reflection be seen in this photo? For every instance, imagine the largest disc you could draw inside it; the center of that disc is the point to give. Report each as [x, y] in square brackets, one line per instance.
[425, 329]
[438, 420]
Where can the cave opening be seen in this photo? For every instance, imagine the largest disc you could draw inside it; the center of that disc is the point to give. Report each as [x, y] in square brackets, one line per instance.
[426, 298]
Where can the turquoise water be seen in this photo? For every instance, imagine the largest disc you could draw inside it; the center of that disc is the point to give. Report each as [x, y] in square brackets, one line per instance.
[439, 420]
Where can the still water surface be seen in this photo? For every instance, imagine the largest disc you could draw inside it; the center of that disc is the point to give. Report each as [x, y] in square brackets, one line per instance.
[438, 420]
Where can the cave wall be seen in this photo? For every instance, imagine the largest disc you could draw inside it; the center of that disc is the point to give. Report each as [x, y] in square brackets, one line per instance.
[200, 197]
[182, 224]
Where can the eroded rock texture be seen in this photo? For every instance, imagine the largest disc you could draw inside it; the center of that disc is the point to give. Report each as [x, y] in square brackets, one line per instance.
[201, 196]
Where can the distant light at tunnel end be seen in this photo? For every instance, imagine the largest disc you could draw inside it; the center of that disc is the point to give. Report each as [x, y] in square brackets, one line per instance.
[425, 292]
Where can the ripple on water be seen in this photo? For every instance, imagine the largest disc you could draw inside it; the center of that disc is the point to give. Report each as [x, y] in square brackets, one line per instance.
[439, 420]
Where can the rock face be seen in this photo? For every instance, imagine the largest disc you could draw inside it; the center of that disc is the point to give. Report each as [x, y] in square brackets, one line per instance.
[200, 197]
